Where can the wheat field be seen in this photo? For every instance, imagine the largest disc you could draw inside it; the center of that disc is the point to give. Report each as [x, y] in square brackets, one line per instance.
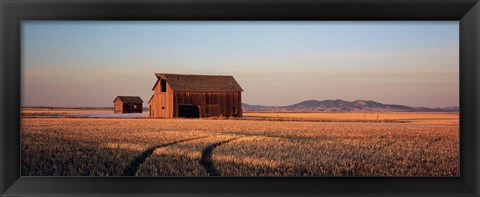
[233, 147]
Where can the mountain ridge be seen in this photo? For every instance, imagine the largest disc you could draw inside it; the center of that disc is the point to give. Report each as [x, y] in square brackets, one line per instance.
[339, 105]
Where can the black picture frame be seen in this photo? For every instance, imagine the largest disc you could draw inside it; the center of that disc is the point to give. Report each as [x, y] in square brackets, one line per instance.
[12, 12]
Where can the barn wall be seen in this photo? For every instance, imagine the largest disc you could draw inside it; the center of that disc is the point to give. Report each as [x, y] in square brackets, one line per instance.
[127, 109]
[150, 107]
[239, 100]
[213, 111]
[219, 103]
[118, 106]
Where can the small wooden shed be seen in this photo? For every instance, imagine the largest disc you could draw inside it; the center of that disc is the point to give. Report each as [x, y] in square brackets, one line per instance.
[195, 96]
[128, 104]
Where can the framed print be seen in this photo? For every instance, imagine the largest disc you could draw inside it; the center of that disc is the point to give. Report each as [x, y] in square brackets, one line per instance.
[243, 98]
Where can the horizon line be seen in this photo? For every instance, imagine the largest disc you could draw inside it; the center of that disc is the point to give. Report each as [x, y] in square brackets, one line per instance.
[46, 106]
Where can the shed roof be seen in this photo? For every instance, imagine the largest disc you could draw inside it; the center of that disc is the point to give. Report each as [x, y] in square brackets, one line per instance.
[200, 83]
[129, 99]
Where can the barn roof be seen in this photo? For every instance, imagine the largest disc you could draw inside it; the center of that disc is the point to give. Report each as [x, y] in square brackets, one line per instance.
[129, 99]
[201, 83]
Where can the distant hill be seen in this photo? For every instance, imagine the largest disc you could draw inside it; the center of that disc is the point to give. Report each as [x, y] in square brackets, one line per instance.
[343, 106]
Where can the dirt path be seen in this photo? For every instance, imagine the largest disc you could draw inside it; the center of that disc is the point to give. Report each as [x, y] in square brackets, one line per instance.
[206, 159]
[132, 169]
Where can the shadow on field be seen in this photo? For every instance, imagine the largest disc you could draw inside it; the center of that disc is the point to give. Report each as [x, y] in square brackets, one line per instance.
[206, 159]
[132, 168]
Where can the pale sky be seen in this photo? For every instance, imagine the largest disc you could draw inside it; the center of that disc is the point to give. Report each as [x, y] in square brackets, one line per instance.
[75, 63]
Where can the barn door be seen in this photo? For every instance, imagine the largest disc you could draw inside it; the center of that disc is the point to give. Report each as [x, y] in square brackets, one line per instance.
[188, 111]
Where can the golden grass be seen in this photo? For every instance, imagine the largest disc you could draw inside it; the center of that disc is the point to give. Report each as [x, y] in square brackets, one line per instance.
[43, 112]
[409, 117]
[178, 160]
[64, 111]
[107, 147]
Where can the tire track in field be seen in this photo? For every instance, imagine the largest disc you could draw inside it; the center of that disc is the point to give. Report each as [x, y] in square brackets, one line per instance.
[206, 159]
[132, 169]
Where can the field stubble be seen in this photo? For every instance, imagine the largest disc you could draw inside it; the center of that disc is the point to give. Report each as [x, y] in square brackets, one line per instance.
[109, 147]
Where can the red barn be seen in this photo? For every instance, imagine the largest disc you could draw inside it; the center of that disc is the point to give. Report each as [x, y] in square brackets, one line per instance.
[195, 96]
